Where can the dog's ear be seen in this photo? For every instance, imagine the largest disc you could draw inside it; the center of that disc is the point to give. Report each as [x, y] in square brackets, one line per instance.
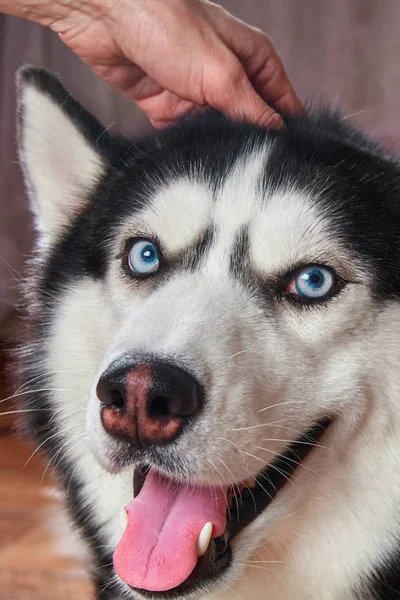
[61, 149]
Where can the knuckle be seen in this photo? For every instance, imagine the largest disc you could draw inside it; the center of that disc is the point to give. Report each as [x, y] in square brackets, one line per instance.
[226, 79]
[276, 69]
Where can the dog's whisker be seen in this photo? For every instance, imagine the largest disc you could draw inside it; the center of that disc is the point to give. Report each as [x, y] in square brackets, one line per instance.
[300, 433]
[275, 468]
[50, 437]
[237, 354]
[354, 114]
[252, 548]
[265, 561]
[44, 375]
[245, 484]
[17, 276]
[234, 486]
[71, 478]
[288, 479]
[110, 564]
[257, 426]
[228, 587]
[287, 460]
[78, 439]
[261, 486]
[80, 411]
[221, 479]
[282, 404]
[246, 564]
[36, 391]
[310, 443]
[104, 588]
[237, 448]
[292, 514]
[268, 479]
[20, 411]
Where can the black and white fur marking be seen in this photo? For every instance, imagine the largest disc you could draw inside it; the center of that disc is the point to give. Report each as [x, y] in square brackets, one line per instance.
[235, 211]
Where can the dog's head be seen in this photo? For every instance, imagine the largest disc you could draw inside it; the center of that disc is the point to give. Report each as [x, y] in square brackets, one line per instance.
[205, 303]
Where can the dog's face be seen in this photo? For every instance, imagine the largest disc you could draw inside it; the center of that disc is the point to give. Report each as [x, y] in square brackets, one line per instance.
[202, 301]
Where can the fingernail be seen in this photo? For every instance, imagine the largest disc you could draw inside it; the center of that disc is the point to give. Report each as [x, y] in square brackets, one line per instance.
[275, 122]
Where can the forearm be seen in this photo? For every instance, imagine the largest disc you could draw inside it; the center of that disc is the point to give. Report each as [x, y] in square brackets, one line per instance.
[40, 11]
[48, 12]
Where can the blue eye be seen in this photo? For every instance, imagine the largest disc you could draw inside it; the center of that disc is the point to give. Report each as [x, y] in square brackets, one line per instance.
[143, 258]
[312, 282]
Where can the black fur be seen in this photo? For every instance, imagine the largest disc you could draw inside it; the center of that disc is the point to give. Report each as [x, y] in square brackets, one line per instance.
[194, 256]
[383, 582]
[240, 253]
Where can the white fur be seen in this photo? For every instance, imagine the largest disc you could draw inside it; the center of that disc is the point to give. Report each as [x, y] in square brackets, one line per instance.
[60, 165]
[178, 215]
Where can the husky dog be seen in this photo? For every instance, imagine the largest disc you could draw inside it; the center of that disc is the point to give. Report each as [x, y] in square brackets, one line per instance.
[212, 351]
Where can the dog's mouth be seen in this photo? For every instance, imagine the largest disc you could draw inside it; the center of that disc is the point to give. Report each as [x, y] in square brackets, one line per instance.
[177, 536]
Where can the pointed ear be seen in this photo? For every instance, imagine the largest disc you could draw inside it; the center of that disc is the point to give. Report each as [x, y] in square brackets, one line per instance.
[59, 150]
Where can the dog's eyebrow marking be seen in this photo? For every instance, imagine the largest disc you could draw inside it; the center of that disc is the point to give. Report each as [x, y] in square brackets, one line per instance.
[179, 214]
[193, 256]
[287, 231]
[240, 252]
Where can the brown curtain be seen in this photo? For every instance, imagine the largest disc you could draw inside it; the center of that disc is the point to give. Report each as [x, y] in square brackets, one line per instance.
[343, 51]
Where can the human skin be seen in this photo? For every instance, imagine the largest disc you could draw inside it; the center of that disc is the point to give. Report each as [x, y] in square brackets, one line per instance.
[172, 57]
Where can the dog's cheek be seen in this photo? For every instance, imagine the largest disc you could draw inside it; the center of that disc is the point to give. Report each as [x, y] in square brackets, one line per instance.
[80, 335]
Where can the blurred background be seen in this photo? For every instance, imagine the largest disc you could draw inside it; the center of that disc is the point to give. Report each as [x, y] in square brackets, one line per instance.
[346, 52]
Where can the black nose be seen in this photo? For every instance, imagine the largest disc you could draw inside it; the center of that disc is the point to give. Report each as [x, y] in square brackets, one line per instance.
[147, 402]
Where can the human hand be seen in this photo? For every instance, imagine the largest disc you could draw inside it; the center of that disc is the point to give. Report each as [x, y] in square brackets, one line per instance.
[175, 56]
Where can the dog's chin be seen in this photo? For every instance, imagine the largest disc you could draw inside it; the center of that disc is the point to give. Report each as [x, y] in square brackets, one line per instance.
[246, 501]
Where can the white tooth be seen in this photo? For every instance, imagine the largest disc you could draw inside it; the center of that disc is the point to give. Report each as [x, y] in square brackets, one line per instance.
[123, 520]
[204, 539]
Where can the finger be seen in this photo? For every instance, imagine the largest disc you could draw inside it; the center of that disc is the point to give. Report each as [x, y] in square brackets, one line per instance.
[229, 90]
[273, 85]
[161, 124]
[260, 60]
[161, 106]
[165, 108]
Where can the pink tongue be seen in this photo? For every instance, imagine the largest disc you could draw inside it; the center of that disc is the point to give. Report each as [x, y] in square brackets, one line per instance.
[158, 550]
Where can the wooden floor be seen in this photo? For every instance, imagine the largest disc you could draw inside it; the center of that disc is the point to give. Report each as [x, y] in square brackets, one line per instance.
[36, 559]
[35, 563]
